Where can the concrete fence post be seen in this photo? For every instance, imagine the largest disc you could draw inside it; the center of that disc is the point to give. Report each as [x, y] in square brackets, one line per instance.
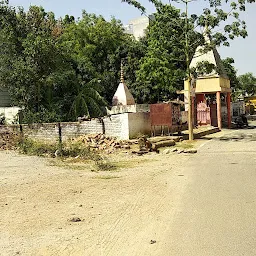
[60, 138]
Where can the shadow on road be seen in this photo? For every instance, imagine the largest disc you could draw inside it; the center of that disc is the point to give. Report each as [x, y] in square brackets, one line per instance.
[245, 133]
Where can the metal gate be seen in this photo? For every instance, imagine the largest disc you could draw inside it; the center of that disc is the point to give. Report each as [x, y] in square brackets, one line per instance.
[203, 114]
[165, 115]
[214, 121]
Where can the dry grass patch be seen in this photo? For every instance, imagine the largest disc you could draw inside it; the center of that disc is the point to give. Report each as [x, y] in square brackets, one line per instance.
[185, 145]
[132, 162]
[106, 177]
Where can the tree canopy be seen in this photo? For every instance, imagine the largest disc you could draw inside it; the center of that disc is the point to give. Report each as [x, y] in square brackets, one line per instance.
[231, 72]
[244, 85]
[59, 69]
[218, 14]
[247, 84]
[163, 68]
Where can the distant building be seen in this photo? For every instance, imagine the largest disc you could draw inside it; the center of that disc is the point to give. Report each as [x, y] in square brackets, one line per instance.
[250, 104]
[137, 27]
[214, 86]
[6, 109]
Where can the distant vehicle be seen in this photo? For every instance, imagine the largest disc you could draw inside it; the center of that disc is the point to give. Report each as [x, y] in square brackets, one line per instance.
[250, 104]
[241, 121]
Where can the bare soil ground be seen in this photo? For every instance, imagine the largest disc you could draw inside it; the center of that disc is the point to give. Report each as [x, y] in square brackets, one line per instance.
[120, 212]
[156, 204]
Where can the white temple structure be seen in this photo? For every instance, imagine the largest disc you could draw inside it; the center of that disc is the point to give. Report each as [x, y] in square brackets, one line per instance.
[211, 56]
[122, 97]
[215, 83]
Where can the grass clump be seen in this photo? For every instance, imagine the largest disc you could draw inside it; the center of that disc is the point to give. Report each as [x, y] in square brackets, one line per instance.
[80, 151]
[39, 148]
[69, 149]
[76, 149]
[185, 145]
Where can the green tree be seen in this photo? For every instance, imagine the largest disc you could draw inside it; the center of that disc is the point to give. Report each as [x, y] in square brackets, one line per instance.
[247, 84]
[231, 72]
[95, 46]
[87, 101]
[42, 75]
[163, 68]
[211, 17]
[217, 13]
[32, 59]
[232, 75]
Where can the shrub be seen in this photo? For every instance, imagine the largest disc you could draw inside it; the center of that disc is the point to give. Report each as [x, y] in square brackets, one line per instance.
[39, 148]
[74, 149]
[69, 149]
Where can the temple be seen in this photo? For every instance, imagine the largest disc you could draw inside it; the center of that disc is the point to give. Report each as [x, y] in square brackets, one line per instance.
[211, 93]
[122, 96]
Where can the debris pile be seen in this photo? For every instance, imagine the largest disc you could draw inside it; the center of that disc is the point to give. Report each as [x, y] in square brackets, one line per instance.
[147, 145]
[102, 142]
[179, 151]
[7, 140]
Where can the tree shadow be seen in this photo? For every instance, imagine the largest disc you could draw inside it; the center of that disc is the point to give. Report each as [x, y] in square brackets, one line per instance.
[239, 135]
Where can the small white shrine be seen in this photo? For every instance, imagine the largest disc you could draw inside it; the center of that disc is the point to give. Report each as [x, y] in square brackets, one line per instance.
[122, 97]
[130, 118]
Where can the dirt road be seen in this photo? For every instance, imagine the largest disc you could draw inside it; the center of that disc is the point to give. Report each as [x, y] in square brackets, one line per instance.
[151, 205]
[120, 211]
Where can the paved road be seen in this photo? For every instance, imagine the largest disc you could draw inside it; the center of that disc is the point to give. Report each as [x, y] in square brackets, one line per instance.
[216, 214]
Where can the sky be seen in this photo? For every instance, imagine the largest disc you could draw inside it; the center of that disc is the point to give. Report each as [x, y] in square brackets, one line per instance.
[243, 51]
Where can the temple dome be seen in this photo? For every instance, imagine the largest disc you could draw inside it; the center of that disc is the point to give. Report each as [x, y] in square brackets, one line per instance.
[123, 96]
[212, 56]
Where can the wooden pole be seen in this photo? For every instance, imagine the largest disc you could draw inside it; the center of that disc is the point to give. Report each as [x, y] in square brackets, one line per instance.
[60, 138]
[190, 112]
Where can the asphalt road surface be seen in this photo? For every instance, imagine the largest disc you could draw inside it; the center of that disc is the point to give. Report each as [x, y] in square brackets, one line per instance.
[216, 214]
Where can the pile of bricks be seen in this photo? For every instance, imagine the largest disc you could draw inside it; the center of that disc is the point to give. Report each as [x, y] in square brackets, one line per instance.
[7, 140]
[102, 142]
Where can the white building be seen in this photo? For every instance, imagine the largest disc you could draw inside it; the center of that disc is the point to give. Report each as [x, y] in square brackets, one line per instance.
[137, 27]
[9, 112]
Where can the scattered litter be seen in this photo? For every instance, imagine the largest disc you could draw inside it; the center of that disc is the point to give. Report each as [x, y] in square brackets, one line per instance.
[140, 152]
[167, 151]
[190, 151]
[75, 219]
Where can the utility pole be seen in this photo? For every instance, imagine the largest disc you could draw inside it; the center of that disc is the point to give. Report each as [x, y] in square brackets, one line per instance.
[190, 114]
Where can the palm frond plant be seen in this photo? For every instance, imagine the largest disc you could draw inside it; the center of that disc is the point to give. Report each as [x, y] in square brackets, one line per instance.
[87, 101]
